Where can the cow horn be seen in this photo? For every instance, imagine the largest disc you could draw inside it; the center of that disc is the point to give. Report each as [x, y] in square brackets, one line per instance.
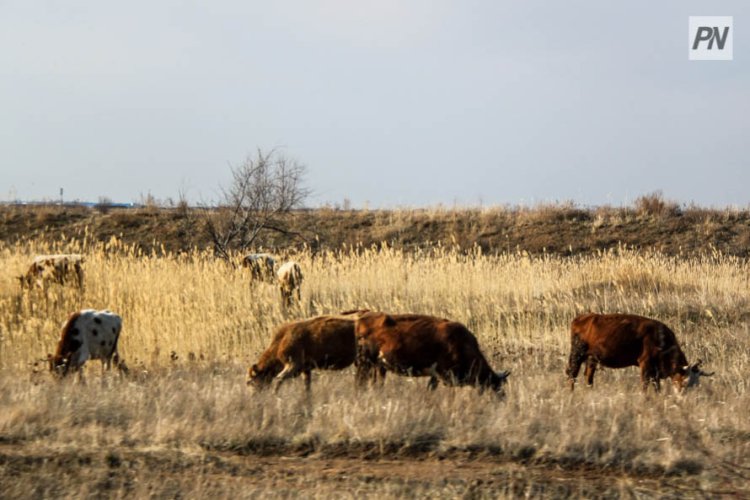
[692, 367]
[504, 374]
[696, 368]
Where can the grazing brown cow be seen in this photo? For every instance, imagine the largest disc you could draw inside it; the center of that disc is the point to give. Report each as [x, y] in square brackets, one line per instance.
[290, 281]
[54, 269]
[87, 334]
[417, 345]
[325, 342]
[620, 340]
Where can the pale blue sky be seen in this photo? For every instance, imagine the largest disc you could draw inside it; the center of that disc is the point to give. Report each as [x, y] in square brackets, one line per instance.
[390, 102]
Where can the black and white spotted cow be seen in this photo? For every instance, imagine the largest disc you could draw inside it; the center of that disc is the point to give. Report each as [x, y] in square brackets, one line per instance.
[87, 334]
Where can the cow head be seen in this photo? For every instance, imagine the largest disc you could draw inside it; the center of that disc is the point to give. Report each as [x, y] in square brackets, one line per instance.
[690, 375]
[259, 377]
[671, 363]
[498, 381]
[58, 365]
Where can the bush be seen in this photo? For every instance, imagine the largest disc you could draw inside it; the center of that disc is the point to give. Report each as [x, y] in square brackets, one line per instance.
[654, 204]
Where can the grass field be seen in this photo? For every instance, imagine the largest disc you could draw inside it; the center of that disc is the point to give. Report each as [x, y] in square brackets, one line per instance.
[184, 423]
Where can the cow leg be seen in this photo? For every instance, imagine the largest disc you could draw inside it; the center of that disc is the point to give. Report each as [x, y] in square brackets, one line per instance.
[362, 375]
[591, 365]
[578, 354]
[377, 375]
[381, 374]
[366, 362]
[122, 368]
[289, 371]
[648, 375]
[369, 374]
[78, 361]
[432, 384]
[307, 376]
[79, 358]
[78, 369]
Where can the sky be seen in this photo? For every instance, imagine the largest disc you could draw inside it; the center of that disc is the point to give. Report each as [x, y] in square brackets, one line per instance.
[388, 103]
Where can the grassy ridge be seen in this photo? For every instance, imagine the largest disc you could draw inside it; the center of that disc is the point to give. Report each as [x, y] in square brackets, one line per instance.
[556, 229]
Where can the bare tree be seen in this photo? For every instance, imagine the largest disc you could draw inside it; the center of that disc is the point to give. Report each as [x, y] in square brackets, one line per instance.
[263, 188]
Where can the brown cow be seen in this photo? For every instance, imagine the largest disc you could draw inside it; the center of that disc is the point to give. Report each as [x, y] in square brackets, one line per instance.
[620, 340]
[418, 345]
[325, 342]
[53, 268]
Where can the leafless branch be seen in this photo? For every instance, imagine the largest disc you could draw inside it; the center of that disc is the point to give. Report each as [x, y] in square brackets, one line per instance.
[263, 188]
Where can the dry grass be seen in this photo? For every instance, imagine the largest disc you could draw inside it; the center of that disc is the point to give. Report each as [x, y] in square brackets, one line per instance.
[519, 307]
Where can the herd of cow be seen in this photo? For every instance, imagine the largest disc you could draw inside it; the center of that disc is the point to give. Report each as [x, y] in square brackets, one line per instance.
[378, 342]
[68, 268]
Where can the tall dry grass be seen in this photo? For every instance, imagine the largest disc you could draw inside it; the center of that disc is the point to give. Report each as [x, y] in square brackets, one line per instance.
[519, 307]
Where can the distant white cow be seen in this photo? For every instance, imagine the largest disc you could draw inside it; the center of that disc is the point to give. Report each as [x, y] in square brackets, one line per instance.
[54, 269]
[290, 281]
[87, 334]
[262, 266]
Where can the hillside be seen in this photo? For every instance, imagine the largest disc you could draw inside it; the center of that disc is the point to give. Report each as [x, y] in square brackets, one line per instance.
[560, 229]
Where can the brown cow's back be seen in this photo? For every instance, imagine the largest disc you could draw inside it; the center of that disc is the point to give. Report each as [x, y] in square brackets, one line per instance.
[421, 345]
[618, 340]
[621, 340]
[323, 342]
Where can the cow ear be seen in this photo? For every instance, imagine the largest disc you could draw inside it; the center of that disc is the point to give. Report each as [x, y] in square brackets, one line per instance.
[388, 321]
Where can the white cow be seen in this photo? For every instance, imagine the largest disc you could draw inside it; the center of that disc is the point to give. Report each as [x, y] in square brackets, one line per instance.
[262, 266]
[290, 281]
[87, 334]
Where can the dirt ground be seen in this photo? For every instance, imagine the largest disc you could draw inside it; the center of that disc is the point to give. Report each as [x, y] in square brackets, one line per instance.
[30, 472]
